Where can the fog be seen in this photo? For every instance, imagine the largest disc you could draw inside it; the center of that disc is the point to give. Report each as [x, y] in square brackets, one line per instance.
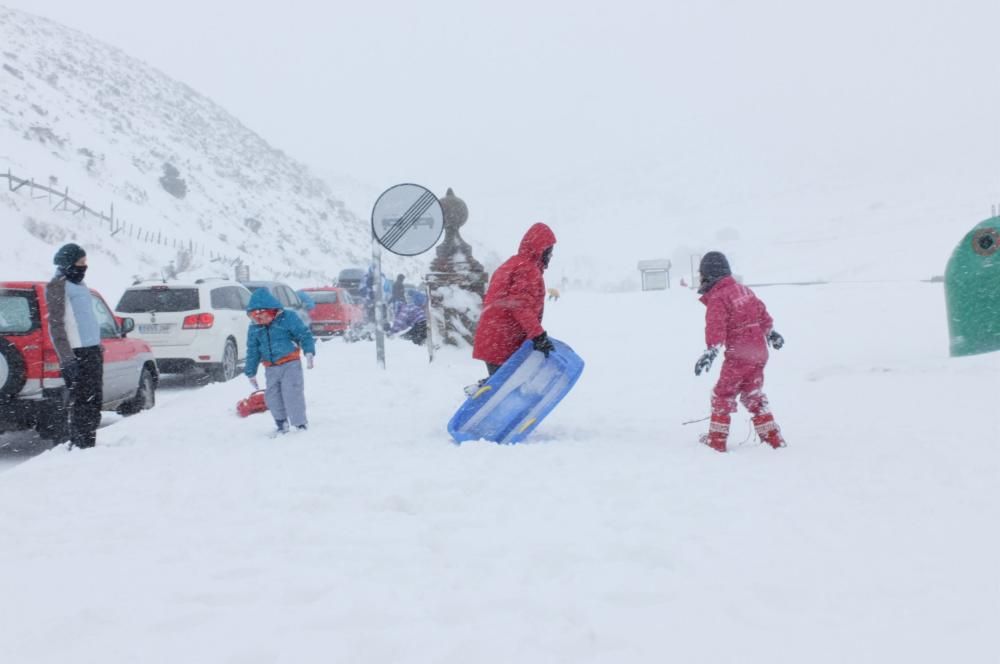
[627, 125]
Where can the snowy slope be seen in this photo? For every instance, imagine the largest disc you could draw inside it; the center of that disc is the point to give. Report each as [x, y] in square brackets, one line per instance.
[77, 113]
[188, 535]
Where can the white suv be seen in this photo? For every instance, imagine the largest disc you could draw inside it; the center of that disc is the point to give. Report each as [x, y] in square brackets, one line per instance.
[201, 325]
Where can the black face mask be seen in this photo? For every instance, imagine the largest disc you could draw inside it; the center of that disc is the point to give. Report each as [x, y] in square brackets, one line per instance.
[75, 273]
[546, 257]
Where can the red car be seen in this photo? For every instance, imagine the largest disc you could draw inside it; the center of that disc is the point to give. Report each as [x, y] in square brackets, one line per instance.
[31, 385]
[335, 313]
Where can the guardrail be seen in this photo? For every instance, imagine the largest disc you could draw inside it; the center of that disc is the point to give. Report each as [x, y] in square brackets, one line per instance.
[60, 200]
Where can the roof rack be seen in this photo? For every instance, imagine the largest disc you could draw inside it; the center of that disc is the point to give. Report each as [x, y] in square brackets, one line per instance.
[164, 280]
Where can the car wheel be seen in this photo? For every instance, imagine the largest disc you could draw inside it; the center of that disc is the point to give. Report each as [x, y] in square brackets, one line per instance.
[227, 370]
[12, 373]
[145, 396]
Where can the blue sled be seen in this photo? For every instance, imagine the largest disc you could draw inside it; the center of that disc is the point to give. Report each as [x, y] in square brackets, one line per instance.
[515, 399]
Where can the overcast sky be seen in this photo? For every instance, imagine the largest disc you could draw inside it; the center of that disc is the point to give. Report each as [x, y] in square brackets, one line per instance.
[534, 110]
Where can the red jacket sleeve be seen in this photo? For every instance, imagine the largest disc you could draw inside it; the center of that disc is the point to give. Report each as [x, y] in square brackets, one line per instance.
[716, 322]
[766, 322]
[526, 300]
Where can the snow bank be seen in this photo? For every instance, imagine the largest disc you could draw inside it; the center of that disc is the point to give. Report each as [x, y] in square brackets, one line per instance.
[188, 535]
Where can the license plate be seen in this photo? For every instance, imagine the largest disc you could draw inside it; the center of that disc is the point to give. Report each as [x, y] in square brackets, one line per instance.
[155, 328]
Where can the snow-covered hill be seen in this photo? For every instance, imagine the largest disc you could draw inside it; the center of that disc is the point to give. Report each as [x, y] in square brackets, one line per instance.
[77, 113]
[612, 536]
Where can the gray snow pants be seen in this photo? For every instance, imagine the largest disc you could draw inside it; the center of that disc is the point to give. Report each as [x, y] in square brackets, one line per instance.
[285, 393]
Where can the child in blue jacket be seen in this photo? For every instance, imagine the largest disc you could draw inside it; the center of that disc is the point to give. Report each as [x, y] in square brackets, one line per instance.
[277, 339]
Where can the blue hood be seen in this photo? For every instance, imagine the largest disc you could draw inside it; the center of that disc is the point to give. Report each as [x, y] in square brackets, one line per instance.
[262, 299]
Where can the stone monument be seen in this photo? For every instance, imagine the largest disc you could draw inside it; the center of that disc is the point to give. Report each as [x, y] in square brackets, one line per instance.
[457, 280]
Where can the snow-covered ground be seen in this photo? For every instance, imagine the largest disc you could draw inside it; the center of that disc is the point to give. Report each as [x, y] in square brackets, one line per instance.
[188, 535]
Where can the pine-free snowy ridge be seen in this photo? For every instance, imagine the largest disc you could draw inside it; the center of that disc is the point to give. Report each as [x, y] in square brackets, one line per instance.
[77, 113]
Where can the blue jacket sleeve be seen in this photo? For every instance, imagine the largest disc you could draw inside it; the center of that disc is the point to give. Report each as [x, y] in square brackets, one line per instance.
[253, 353]
[407, 316]
[301, 334]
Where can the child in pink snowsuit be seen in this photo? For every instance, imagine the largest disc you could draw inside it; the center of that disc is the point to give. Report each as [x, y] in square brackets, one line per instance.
[737, 320]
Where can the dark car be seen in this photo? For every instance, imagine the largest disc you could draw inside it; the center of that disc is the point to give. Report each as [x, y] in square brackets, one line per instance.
[353, 281]
[285, 295]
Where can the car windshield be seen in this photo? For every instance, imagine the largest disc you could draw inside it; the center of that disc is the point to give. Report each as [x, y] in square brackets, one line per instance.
[16, 312]
[324, 297]
[162, 299]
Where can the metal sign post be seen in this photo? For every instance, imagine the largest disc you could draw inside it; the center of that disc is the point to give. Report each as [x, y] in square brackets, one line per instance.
[407, 220]
[430, 323]
[379, 311]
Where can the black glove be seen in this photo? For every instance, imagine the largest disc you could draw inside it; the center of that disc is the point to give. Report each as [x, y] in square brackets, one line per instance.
[70, 371]
[542, 344]
[775, 340]
[704, 362]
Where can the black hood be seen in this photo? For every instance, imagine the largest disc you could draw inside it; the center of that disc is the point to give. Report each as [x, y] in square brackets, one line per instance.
[713, 268]
[68, 255]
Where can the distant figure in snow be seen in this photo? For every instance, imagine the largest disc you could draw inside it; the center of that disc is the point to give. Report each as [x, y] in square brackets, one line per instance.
[398, 296]
[277, 339]
[553, 294]
[398, 290]
[412, 318]
[515, 302]
[737, 320]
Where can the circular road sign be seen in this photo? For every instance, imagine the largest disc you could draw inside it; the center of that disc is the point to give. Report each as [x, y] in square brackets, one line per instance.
[407, 219]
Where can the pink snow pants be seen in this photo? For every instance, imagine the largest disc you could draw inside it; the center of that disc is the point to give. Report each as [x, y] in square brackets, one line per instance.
[740, 379]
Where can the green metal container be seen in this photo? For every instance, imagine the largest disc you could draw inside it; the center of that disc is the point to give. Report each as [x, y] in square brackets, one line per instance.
[972, 291]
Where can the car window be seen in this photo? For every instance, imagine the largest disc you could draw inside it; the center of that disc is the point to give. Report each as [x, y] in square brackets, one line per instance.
[243, 295]
[292, 300]
[218, 297]
[237, 299]
[227, 297]
[161, 299]
[109, 326]
[17, 312]
[324, 297]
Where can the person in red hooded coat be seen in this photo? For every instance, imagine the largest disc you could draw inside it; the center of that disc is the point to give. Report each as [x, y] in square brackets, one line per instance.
[737, 320]
[515, 302]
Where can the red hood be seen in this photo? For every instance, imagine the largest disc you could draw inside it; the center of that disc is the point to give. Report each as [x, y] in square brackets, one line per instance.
[538, 238]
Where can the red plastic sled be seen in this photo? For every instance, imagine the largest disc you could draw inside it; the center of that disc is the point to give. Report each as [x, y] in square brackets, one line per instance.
[252, 404]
